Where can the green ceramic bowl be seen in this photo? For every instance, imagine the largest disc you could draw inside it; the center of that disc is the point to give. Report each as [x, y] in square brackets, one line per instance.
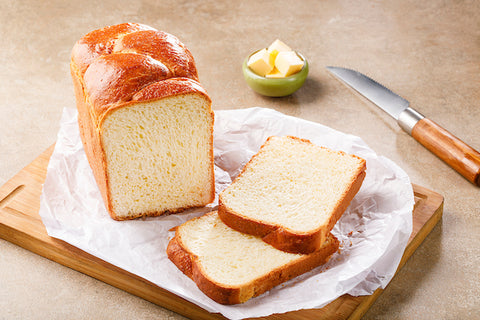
[275, 87]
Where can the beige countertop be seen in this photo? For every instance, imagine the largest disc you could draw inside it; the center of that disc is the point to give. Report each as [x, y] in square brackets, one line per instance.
[427, 51]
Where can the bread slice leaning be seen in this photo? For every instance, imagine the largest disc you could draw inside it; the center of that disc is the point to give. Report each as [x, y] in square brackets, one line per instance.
[231, 267]
[291, 193]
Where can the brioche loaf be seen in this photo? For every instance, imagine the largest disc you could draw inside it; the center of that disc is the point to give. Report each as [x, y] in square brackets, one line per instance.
[145, 121]
[291, 193]
[231, 267]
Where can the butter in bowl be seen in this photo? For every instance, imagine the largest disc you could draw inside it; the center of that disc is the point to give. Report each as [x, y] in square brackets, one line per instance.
[276, 71]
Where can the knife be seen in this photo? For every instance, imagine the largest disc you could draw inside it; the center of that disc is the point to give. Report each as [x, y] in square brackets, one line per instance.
[456, 153]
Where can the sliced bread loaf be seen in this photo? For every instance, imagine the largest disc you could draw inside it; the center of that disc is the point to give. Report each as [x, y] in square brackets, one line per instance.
[291, 193]
[145, 121]
[231, 267]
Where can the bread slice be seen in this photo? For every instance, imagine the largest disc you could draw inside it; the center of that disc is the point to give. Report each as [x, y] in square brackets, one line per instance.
[291, 193]
[231, 267]
[145, 121]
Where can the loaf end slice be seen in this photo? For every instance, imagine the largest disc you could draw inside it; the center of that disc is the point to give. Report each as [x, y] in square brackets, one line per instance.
[231, 267]
[292, 193]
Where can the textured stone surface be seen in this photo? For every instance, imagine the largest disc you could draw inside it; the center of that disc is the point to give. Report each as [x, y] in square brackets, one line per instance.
[426, 51]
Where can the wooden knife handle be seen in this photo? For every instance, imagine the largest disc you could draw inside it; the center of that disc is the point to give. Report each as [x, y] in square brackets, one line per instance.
[449, 148]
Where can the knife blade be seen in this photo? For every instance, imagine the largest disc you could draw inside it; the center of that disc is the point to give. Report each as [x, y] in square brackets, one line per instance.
[456, 153]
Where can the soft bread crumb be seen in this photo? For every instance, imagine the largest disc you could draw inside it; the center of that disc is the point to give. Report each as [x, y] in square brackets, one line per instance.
[231, 267]
[158, 155]
[228, 256]
[292, 183]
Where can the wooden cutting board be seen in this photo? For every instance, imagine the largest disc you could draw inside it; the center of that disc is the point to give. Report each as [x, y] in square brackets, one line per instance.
[20, 223]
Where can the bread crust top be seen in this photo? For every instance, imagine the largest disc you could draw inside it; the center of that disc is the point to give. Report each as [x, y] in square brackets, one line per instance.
[117, 62]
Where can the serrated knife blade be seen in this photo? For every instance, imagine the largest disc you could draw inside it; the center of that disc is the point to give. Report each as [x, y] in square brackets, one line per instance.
[383, 97]
[456, 153]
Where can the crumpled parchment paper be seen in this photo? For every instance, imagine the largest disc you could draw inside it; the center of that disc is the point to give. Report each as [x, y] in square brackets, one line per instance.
[373, 231]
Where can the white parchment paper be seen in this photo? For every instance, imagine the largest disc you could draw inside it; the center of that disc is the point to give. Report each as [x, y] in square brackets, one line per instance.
[373, 231]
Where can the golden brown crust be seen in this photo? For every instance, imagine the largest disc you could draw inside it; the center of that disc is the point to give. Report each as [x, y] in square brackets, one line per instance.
[116, 62]
[280, 238]
[115, 78]
[100, 42]
[170, 87]
[190, 265]
[120, 65]
[90, 137]
[283, 238]
[163, 47]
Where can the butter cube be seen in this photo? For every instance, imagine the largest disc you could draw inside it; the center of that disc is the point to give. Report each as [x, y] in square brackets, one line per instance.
[276, 47]
[288, 63]
[275, 74]
[260, 62]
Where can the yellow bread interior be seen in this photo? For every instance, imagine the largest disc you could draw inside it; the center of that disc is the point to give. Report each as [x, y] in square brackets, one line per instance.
[158, 155]
[231, 258]
[292, 183]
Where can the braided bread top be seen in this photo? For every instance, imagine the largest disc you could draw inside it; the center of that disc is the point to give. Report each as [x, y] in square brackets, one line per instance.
[116, 62]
